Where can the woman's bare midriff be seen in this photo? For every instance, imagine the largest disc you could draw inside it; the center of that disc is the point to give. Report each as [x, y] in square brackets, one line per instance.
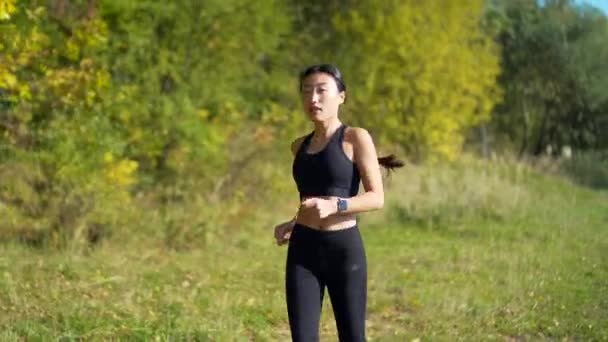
[309, 218]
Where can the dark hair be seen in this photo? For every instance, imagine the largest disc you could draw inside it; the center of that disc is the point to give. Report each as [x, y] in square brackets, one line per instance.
[326, 69]
[389, 162]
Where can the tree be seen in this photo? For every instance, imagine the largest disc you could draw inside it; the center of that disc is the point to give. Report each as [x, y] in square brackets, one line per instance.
[553, 59]
[54, 135]
[422, 73]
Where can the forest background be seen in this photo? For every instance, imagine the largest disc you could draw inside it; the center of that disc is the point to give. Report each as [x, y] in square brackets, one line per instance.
[144, 146]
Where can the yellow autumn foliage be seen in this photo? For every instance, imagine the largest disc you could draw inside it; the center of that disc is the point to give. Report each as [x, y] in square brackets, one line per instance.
[7, 7]
[120, 172]
[421, 73]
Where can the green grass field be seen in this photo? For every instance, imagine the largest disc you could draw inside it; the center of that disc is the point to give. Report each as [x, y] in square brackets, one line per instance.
[468, 253]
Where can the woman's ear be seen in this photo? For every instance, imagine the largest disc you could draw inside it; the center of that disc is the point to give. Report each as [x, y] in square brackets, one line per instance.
[342, 97]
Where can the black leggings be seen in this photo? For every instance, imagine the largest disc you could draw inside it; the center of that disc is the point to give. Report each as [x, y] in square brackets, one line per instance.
[335, 259]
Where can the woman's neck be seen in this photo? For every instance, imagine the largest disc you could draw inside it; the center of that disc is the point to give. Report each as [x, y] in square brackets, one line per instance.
[325, 129]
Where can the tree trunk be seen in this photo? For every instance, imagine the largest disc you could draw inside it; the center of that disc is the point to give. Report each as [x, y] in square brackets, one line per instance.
[540, 142]
[91, 9]
[59, 8]
[485, 150]
[526, 123]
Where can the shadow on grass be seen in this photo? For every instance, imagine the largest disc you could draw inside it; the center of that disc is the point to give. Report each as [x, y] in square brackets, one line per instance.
[588, 169]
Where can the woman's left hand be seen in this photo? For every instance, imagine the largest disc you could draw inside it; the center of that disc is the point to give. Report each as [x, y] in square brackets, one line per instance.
[320, 206]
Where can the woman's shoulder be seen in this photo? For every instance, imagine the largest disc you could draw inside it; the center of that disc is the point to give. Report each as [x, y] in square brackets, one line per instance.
[295, 145]
[356, 135]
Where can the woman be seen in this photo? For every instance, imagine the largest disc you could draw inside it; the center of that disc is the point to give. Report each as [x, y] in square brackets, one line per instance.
[325, 246]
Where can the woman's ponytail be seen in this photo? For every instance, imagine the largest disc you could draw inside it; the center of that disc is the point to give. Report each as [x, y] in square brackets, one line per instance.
[390, 162]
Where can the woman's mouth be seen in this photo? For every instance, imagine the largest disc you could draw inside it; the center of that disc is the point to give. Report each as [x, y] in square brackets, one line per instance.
[314, 109]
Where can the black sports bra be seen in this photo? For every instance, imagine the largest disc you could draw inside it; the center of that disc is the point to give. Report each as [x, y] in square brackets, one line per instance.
[328, 172]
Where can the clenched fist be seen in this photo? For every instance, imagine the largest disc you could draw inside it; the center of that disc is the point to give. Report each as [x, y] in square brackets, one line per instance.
[321, 207]
[282, 232]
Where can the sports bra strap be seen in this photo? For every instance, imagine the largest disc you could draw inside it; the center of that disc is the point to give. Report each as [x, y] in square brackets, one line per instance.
[341, 135]
[305, 142]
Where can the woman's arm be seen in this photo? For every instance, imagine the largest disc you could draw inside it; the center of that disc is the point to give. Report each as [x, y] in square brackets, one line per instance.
[366, 158]
[282, 231]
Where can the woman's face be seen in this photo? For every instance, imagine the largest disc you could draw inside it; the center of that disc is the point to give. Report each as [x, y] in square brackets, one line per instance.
[321, 97]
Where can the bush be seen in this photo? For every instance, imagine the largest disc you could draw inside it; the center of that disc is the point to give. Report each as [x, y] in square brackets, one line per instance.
[437, 195]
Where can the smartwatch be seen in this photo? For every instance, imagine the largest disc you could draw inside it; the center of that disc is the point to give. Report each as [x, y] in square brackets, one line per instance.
[342, 205]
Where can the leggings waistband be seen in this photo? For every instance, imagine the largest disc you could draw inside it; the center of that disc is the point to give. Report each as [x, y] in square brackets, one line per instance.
[319, 232]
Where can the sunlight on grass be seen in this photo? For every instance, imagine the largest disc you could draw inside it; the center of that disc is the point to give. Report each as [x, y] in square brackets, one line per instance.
[526, 259]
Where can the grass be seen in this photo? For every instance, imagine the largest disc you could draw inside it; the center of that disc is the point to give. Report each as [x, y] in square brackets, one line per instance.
[507, 254]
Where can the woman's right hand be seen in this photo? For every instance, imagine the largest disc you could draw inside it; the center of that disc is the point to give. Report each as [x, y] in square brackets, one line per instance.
[282, 232]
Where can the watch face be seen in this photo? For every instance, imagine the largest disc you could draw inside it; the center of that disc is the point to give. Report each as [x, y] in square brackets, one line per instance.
[342, 205]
